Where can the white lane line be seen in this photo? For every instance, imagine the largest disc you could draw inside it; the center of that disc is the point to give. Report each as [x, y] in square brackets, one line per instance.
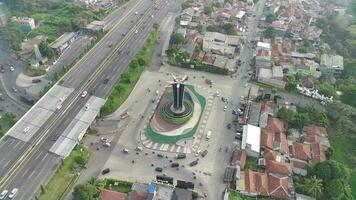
[172, 148]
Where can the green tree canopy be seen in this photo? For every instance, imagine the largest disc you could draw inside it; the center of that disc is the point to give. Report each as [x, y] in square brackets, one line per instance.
[270, 32]
[85, 192]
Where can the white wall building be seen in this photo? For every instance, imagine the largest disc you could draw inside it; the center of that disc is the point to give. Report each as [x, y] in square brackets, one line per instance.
[251, 140]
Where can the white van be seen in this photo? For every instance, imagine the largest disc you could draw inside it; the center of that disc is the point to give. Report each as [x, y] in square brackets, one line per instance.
[208, 135]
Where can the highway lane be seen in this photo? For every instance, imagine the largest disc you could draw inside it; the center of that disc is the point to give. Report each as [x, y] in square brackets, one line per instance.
[18, 180]
[90, 60]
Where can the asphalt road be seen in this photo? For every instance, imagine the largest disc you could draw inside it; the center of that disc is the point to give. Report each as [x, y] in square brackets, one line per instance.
[43, 164]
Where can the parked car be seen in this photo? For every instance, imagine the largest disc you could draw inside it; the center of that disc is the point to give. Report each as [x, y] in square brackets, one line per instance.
[158, 169]
[3, 194]
[175, 165]
[36, 80]
[124, 150]
[204, 153]
[13, 193]
[195, 162]
[181, 155]
[105, 171]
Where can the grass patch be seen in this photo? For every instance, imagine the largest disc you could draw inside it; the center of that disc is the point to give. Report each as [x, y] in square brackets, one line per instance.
[237, 196]
[131, 75]
[117, 185]
[65, 175]
[32, 72]
[251, 163]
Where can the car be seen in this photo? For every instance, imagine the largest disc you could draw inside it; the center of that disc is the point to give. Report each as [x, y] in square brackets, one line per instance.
[228, 126]
[242, 98]
[110, 45]
[105, 81]
[103, 139]
[3, 194]
[105, 171]
[197, 153]
[195, 162]
[106, 144]
[160, 155]
[175, 165]
[136, 31]
[246, 85]
[36, 80]
[86, 107]
[138, 148]
[204, 153]
[208, 135]
[13, 193]
[225, 108]
[158, 169]
[124, 150]
[136, 13]
[84, 94]
[14, 89]
[181, 155]
[12, 68]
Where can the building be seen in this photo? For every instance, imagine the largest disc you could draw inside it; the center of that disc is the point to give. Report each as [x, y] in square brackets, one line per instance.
[254, 114]
[187, 14]
[63, 41]
[251, 140]
[27, 24]
[219, 43]
[112, 195]
[94, 27]
[238, 158]
[266, 76]
[331, 65]
[263, 59]
[181, 194]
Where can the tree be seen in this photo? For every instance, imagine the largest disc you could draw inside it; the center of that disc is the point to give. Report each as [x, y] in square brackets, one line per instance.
[80, 160]
[271, 18]
[208, 9]
[85, 192]
[349, 94]
[286, 114]
[9, 118]
[46, 50]
[270, 32]
[176, 39]
[313, 186]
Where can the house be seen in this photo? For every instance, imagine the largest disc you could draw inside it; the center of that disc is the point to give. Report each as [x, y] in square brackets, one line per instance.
[94, 27]
[264, 45]
[277, 73]
[256, 183]
[275, 124]
[300, 151]
[315, 134]
[230, 174]
[263, 59]
[269, 154]
[299, 167]
[251, 140]
[112, 195]
[317, 153]
[181, 194]
[27, 24]
[238, 158]
[332, 65]
[278, 186]
[278, 167]
[265, 76]
[187, 14]
[254, 114]
[63, 42]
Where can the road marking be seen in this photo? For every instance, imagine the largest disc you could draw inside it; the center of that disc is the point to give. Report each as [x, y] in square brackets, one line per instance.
[172, 148]
[178, 149]
[155, 145]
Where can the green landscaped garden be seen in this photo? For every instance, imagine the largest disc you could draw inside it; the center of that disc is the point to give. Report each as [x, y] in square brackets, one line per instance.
[65, 176]
[251, 163]
[237, 196]
[154, 136]
[131, 75]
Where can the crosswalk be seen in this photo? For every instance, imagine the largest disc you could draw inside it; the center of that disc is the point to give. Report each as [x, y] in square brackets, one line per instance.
[174, 148]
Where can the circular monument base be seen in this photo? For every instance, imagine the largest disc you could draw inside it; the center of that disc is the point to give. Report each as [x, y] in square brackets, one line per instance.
[172, 116]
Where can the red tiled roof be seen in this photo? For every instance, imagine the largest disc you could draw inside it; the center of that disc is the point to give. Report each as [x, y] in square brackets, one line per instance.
[139, 195]
[278, 186]
[268, 106]
[278, 167]
[256, 182]
[300, 151]
[239, 157]
[267, 138]
[282, 139]
[269, 154]
[112, 195]
[300, 164]
[275, 124]
[317, 153]
[312, 133]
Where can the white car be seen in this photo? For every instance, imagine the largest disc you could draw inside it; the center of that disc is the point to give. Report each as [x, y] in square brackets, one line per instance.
[3, 194]
[136, 31]
[84, 94]
[12, 68]
[13, 193]
[197, 153]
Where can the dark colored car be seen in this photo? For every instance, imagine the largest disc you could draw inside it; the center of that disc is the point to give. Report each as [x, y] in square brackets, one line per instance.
[158, 169]
[36, 81]
[175, 165]
[195, 162]
[204, 153]
[160, 155]
[181, 156]
[105, 171]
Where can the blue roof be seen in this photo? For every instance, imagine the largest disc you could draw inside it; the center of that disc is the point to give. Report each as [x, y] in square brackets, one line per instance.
[151, 188]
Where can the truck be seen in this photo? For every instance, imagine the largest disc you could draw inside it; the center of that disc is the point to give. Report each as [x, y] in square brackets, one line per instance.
[2, 69]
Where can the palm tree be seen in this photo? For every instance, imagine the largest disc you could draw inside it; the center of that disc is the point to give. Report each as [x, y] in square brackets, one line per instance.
[313, 186]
